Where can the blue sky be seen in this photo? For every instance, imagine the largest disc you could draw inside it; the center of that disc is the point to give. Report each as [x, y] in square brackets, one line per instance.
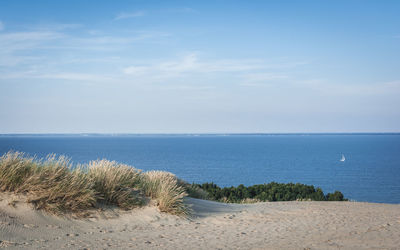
[199, 66]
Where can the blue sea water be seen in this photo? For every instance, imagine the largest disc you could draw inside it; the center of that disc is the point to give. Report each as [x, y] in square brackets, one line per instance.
[370, 173]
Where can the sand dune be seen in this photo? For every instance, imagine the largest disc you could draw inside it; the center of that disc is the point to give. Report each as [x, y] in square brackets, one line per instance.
[277, 225]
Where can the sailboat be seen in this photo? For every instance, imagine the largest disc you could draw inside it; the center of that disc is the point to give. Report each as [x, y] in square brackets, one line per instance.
[342, 159]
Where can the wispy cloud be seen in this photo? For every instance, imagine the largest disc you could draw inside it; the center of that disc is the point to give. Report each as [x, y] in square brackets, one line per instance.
[193, 68]
[1, 26]
[14, 46]
[126, 15]
[57, 26]
[136, 70]
[28, 36]
[191, 63]
[105, 42]
[61, 52]
[75, 76]
[19, 46]
[263, 77]
[70, 76]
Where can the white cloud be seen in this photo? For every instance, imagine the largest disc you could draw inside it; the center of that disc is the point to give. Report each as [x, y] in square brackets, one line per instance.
[10, 42]
[21, 47]
[263, 77]
[125, 15]
[70, 76]
[29, 36]
[54, 26]
[74, 76]
[14, 44]
[107, 42]
[49, 53]
[1, 26]
[190, 63]
[135, 70]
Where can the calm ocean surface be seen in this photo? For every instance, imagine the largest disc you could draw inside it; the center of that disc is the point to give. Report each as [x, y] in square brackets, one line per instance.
[370, 173]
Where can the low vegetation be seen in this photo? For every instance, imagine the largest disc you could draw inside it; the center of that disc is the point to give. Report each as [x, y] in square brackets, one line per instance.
[50, 184]
[55, 185]
[164, 187]
[115, 183]
[265, 192]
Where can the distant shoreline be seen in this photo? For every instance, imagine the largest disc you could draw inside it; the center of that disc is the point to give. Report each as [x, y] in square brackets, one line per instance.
[183, 134]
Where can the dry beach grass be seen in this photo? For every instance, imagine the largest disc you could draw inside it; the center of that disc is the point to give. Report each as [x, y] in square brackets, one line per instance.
[163, 187]
[56, 186]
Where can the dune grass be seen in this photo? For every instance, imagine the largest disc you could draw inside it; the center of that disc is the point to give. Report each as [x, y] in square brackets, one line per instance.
[115, 183]
[15, 168]
[51, 184]
[165, 189]
[56, 186]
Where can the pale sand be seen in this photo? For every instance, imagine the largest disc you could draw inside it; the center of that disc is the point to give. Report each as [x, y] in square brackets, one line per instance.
[275, 225]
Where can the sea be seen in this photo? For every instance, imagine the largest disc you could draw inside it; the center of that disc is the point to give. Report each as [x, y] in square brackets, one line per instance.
[370, 171]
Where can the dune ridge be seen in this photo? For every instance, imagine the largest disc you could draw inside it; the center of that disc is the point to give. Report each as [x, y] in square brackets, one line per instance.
[212, 225]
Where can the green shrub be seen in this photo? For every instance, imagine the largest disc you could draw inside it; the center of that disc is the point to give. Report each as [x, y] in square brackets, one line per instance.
[266, 192]
[336, 196]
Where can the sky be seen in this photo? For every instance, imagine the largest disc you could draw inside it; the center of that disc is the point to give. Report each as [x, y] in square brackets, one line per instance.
[199, 66]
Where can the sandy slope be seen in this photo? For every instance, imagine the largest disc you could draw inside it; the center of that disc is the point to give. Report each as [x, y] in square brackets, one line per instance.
[280, 225]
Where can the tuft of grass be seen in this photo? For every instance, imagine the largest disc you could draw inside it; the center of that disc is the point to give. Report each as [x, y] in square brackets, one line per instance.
[164, 188]
[56, 186]
[194, 190]
[15, 168]
[115, 183]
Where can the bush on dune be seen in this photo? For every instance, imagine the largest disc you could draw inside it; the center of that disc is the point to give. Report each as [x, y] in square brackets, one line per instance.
[115, 183]
[164, 187]
[336, 196]
[267, 192]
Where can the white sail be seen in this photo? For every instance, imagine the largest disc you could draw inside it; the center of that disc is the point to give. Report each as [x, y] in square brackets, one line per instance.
[343, 158]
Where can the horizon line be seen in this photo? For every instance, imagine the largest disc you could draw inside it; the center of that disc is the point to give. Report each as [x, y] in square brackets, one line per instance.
[198, 134]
